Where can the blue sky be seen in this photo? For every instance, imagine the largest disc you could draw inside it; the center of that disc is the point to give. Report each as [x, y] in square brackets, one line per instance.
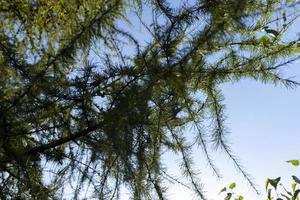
[264, 125]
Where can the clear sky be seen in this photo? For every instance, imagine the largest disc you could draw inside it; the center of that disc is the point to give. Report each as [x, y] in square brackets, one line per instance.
[264, 129]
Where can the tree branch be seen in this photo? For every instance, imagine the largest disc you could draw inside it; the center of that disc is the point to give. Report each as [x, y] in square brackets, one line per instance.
[44, 147]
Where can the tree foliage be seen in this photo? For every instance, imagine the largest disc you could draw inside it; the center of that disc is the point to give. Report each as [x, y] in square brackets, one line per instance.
[87, 102]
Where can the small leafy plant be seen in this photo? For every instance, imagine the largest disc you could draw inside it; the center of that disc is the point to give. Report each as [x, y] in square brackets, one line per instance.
[274, 188]
[230, 192]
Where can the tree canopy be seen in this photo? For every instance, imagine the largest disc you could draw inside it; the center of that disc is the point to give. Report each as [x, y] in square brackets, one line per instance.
[89, 103]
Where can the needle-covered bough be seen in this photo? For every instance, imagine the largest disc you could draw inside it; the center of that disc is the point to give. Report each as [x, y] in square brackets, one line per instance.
[94, 92]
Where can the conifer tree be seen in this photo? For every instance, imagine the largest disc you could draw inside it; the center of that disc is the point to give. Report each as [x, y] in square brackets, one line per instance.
[88, 103]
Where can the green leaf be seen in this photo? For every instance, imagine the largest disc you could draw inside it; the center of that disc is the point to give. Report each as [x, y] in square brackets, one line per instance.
[228, 197]
[232, 185]
[293, 162]
[296, 194]
[267, 184]
[296, 179]
[223, 190]
[269, 194]
[274, 182]
[239, 198]
[293, 186]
